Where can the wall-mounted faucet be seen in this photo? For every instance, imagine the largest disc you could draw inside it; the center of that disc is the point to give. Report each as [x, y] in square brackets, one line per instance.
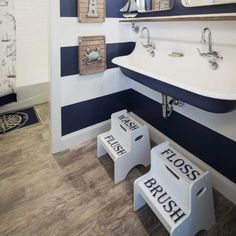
[212, 56]
[150, 46]
[209, 41]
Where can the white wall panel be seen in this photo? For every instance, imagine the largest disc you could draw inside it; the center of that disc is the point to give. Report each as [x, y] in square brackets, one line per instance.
[223, 32]
[81, 88]
[111, 28]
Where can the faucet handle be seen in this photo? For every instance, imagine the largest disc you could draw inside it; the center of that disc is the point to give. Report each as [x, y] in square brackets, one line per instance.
[144, 45]
[152, 45]
[202, 54]
[218, 55]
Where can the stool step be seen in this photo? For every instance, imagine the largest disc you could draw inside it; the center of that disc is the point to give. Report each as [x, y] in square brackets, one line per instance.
[112, 145]
[176, 164]
[163, 204]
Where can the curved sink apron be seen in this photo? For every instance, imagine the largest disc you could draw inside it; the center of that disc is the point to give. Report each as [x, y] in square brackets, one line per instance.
[189, 78]
[203, 102]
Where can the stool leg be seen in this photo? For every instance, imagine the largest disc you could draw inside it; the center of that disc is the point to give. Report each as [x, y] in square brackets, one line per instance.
[138, 199]
[120, 172]
[100, 149]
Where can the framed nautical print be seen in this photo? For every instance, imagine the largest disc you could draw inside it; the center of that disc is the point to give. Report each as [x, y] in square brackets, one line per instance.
[92, 54]
[91, 11]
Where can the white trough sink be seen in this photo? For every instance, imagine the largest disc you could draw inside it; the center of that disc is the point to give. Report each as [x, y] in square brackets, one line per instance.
[188, 78]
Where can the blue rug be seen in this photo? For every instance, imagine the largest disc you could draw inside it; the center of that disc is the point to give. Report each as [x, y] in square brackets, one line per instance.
[18, 119]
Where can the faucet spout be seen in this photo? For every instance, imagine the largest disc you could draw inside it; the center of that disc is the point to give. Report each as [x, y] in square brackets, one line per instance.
[150, 46]
[213, 56]
[209, 41]
[148, 34]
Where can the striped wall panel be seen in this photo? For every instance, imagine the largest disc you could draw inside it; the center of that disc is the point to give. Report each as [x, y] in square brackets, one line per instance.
[69, 56]
[210, 146]
[8, 99]
[84, 114]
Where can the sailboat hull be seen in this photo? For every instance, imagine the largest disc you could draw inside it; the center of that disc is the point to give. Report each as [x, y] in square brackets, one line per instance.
[130, 14]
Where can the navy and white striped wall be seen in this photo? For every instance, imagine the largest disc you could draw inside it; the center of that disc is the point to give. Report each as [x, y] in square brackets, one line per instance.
[69, 56]
[211, 147]
[88, 100]
[76, 88]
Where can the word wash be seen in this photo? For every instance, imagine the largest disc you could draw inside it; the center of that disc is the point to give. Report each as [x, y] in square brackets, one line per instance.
[128, 122]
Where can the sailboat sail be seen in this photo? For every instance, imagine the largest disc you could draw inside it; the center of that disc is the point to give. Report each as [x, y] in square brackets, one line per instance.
[133, 6]
[130, 6]
[126, 7]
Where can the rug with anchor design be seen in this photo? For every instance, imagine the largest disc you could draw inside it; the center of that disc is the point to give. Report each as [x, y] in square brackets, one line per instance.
[18, 119]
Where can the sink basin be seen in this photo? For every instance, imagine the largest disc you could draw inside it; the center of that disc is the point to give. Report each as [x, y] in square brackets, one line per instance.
[188, 78]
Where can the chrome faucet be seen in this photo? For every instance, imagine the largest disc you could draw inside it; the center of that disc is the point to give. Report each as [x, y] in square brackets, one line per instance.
[148, 35]
[204, 41]
[150, 46]
[212, 56]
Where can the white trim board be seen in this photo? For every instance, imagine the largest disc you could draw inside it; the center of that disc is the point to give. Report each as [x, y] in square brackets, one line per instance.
[220, 182]
[78, 137]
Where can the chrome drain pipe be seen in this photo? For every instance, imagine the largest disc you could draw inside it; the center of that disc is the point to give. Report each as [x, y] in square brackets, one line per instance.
[168, 105]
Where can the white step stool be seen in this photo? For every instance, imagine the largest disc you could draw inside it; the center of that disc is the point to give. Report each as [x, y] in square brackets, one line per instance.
[178, 192]
[127, 143]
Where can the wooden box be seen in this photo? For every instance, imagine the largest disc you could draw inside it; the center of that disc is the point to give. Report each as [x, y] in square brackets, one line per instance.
[92, 54]
[91, 11]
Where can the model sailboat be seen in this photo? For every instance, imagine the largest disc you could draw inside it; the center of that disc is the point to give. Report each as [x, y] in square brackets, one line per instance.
[130, 9]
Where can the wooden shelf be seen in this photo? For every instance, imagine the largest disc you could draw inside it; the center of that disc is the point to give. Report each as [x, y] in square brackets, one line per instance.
[203, 17]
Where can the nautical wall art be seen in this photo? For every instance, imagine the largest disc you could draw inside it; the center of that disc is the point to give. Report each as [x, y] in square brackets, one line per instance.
[7, 48]
[92, 54]
[130, 9]
[91, 11]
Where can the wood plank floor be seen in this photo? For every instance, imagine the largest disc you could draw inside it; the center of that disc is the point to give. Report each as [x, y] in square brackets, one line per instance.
[72, 193]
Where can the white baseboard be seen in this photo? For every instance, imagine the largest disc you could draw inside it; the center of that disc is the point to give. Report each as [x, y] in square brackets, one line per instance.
[28, 96]
[76, 138]
[220, 182]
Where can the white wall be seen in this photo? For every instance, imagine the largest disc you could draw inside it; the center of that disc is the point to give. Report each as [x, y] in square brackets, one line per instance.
[32, 41]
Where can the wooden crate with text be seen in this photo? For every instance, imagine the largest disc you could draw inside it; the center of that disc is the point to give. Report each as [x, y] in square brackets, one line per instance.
[91, 11]
[92, 54]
